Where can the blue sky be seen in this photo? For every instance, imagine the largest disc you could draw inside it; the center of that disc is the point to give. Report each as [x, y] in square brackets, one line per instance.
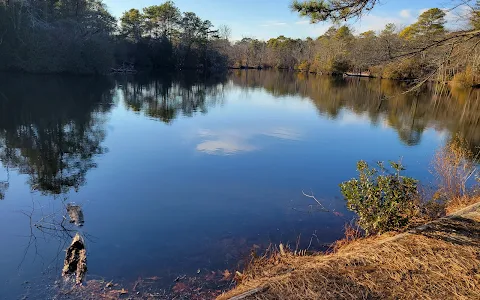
[264, 19]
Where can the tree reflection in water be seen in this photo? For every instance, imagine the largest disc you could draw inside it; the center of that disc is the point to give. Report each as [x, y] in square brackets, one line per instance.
[167, 97]
[384, 102]
[51, 128]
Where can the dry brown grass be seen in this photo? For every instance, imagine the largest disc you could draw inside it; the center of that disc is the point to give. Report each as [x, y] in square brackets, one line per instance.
[455, 169]
[351, 234]
[460, 203]
[440, 260]
[465, 79]
[454, 165]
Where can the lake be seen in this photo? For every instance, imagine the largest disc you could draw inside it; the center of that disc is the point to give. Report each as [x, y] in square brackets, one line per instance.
[182, 175]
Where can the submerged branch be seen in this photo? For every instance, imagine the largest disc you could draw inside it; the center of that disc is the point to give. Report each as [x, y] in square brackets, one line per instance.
[313, 197]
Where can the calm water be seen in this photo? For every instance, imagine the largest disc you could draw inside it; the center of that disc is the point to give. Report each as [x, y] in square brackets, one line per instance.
[180, 173]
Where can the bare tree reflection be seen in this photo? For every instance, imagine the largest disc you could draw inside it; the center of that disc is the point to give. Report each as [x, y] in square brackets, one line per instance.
[4, 185]
[456, 111]
[51, 128]
[49, 227]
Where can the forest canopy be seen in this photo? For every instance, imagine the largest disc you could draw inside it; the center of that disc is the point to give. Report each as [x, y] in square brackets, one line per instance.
[81, 36]
[424, 50]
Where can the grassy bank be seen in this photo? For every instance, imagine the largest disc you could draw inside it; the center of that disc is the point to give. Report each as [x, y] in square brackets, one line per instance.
[439, 260]
[412, 240]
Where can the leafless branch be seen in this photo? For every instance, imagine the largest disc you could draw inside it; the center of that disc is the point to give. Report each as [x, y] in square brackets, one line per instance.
[457, 35]
[313, 197]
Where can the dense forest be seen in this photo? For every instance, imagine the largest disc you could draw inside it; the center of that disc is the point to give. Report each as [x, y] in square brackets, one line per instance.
[423, 49]
[81, 36]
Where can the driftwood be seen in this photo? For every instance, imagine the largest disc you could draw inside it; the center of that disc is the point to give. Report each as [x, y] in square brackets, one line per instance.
[76, 214]
[75, 260]
[361, 74]
[249, 293]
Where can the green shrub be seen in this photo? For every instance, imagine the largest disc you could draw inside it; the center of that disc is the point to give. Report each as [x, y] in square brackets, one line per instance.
[338, 65]
[304, 66]
[403, 69]
[383, 201]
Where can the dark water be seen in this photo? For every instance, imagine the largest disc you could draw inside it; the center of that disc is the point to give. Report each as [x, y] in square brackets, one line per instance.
[180, 173]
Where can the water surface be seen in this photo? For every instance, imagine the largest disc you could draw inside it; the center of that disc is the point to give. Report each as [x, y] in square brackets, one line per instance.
[184, 173]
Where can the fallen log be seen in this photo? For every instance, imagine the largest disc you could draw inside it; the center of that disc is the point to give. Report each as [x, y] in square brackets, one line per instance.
[249, 293]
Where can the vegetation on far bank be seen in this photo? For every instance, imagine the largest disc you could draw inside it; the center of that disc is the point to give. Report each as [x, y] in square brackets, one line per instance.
[81, 36]
[424, 50]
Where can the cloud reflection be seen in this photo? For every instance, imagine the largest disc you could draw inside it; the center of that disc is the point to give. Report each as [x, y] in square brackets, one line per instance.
[235, 141]
[224, 147]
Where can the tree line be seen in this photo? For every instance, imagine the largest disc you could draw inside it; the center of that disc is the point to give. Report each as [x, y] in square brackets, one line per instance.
[81, 36]
[424, 49]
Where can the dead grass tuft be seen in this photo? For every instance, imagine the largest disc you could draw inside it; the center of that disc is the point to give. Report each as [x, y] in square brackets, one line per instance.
[461, 202]
[351, 234]
[454, 165]
[440, 260]
[455, 168]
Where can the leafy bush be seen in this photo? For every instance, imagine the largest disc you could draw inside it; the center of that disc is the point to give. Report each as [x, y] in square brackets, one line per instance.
[338, 65]
[404, 69]
[383, 201]
[304, 66]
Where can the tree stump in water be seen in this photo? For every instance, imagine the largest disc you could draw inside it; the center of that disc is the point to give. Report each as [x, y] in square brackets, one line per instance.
[76, 260]
[76, 214]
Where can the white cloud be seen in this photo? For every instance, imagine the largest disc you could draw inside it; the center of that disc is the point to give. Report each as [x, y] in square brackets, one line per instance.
[303, 22]
[405, 13]
[316, 30]
[375, 23]
[458, 18]
[223, 142]
[273, 23]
